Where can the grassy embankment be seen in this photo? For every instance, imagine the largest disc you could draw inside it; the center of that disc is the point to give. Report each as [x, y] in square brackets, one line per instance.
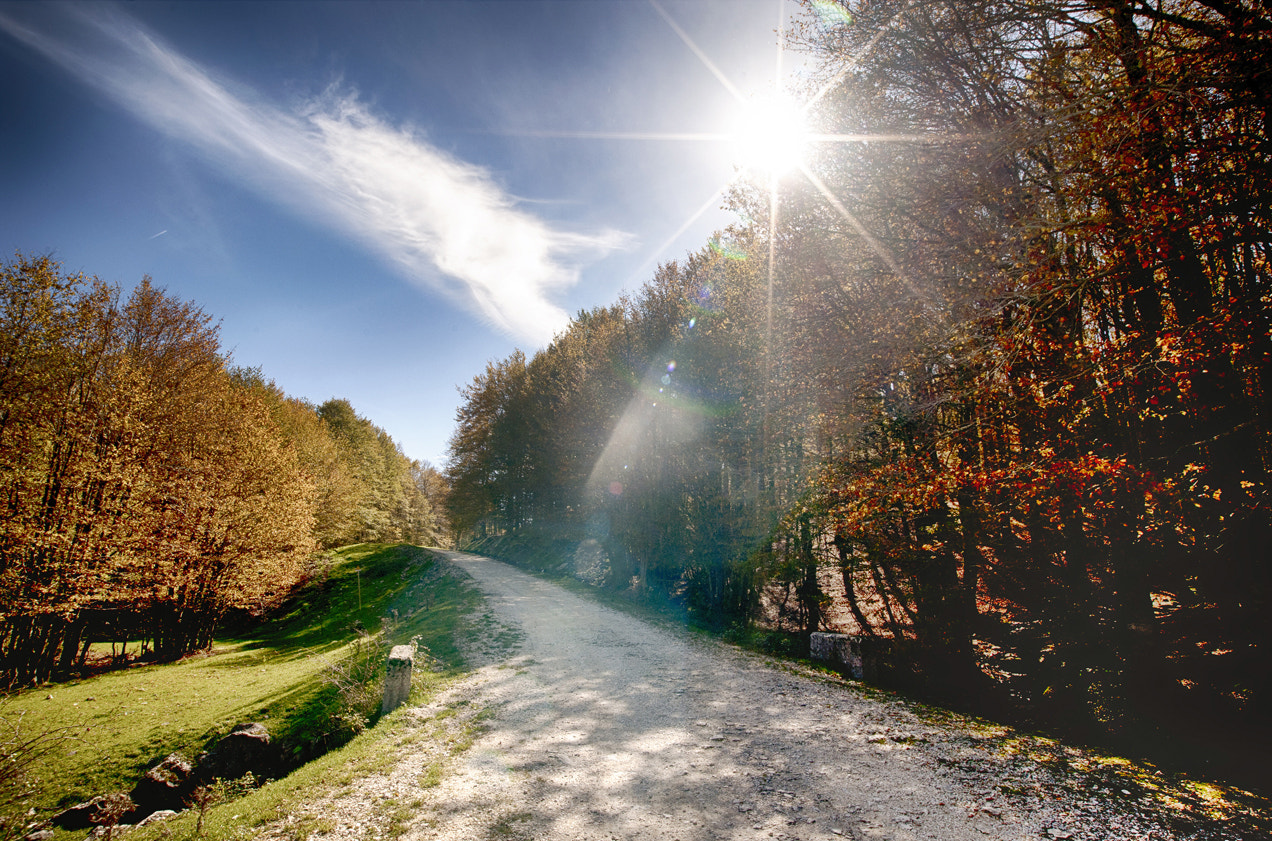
[291, 674]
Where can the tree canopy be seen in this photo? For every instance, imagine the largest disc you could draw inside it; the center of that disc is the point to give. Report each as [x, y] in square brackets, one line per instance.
[147, 486]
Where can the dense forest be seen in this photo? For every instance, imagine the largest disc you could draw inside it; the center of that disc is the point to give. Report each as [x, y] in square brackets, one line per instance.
[148, 486]
[988, 378]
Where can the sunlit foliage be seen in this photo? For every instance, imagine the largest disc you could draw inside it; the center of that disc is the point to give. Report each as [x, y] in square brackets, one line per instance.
[147, 488]
[1064, 443]
[385, 496]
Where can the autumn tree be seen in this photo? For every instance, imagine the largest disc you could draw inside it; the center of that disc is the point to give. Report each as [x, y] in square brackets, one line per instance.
[634, 432]
[142, 486]
[1057, 425]
[384, 494]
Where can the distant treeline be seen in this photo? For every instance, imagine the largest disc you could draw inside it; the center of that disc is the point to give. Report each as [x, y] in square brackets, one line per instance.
[147, 486]
[994, 387]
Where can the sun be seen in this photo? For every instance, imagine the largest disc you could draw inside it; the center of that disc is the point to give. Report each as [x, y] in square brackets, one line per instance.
[770, 136]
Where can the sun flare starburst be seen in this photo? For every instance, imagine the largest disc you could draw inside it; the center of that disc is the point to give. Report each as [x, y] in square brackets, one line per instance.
[770, 136]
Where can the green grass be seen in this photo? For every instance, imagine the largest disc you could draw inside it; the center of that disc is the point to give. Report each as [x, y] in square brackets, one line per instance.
[281, 798]
[280, 674]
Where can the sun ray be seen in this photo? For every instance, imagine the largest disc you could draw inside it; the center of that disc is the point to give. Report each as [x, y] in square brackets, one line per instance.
[876, 246]
[856, 60]
[702, 56]
[689, 137]
[707, 205]
[785, 152]
[931, 139]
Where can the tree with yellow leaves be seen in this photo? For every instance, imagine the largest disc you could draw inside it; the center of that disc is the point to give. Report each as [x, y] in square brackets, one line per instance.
[139, 483]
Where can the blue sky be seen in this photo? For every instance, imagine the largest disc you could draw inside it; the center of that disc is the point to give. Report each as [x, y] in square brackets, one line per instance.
[375, 199]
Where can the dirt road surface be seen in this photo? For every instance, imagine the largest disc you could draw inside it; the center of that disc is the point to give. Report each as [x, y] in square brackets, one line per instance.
[598, 725]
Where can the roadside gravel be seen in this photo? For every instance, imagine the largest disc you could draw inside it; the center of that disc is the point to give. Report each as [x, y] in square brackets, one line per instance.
[598, 725]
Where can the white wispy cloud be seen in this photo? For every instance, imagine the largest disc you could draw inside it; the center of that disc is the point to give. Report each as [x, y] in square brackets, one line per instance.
[443, 222]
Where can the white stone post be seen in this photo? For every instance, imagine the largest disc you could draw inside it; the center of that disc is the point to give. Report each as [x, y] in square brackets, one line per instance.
[397, 683]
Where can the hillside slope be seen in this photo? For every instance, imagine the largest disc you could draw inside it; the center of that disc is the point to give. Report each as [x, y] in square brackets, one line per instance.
[310, 676]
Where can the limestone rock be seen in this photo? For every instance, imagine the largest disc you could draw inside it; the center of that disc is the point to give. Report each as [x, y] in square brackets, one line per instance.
[154, 817]
[166, 785]
[99, 810]
[245, 749]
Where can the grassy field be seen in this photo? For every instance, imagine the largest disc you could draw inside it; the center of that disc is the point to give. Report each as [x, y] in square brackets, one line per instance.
[287, 674]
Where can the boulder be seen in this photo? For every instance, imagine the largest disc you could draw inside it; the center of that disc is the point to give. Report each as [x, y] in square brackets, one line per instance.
[79, 816]
[107, 808]
[155, 817]
[245, 749]
[166, 785]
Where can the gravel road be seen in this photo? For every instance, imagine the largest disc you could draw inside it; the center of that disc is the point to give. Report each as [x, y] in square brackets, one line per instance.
[598, 725]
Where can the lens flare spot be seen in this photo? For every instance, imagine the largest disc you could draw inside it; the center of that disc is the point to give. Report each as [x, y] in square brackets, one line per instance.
[616, 488]
[727, 250]
[830, 14]
[671, 366]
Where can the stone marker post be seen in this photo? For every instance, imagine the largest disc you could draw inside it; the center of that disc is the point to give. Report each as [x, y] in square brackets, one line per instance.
[840, 650]
[397, 683]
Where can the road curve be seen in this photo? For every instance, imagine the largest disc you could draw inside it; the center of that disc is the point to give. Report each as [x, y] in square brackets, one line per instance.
[603, 726]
